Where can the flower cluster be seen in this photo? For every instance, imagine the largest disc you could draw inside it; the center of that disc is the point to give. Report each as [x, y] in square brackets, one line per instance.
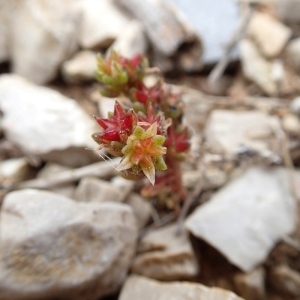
[149, 135]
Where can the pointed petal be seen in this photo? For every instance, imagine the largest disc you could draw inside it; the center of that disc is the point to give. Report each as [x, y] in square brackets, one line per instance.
[151, 131]
[159, 140]
[147, 167]
[119, 111]
[125, 163]
[159, 163]
[139, 132]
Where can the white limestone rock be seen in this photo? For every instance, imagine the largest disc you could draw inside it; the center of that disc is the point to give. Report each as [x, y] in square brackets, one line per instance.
[102, 22]
[247, 217]
[269, 34]
[215, 22]
[132, 41]
[52, 247]
[138, 287]
[43, 122]
[80, 68]
[141, 208]
[257, 68]
[228, 132]
[51, 37]
[91, 189]
[49, 171]
[163, 255]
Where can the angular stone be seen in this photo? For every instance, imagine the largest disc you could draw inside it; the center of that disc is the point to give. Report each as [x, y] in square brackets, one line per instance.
[227, 132]
[91, 189]
[138, 287]
[256, 68]
[141, 208]
[269, 34]
[49, 171]
[122, 184]
[251, 286]
[132, 41]
[166, 28]
[52, 27]
[215, 22]
[252, 212]
[164, 255]
[48, 124]
[13, 170]
[102, 22]
[80, 68]
[285, 280]
[52, 247]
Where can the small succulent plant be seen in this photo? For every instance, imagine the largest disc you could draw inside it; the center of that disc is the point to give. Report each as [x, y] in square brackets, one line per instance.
[148, 135]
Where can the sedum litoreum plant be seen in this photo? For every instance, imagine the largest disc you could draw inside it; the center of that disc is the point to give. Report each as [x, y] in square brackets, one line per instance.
[148, 133]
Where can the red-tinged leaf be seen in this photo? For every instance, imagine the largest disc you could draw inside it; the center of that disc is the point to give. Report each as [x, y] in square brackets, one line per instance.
[110, 135]
[119, 112]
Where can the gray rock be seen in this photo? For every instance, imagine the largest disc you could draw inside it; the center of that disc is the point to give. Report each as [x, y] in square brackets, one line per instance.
[141, 208]
[257, 68]
[269, 34]
[138, 287]
[52, 247]
[102, 22]
[295, 106]
[91, 189]
[163, 255]
[49, 171]
[215, 22]
[80, 68]
[251, 286]
[227, 132]
[48, 124]
[51, 37]
[285, 280]
[132, 41]
[252, 212]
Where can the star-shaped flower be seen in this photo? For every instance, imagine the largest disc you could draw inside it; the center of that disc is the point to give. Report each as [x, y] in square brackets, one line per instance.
[144, 149]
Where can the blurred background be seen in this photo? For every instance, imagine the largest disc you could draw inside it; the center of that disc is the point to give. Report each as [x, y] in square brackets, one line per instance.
[237, 65]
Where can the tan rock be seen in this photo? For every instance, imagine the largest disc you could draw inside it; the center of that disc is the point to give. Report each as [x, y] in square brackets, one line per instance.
[164, 255]
[269, 34]
[138, 287]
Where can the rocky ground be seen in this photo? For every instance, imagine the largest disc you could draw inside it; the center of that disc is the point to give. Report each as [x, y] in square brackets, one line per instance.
[72, 228]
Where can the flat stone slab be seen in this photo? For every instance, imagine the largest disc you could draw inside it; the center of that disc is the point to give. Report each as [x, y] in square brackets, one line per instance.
[246, 218]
